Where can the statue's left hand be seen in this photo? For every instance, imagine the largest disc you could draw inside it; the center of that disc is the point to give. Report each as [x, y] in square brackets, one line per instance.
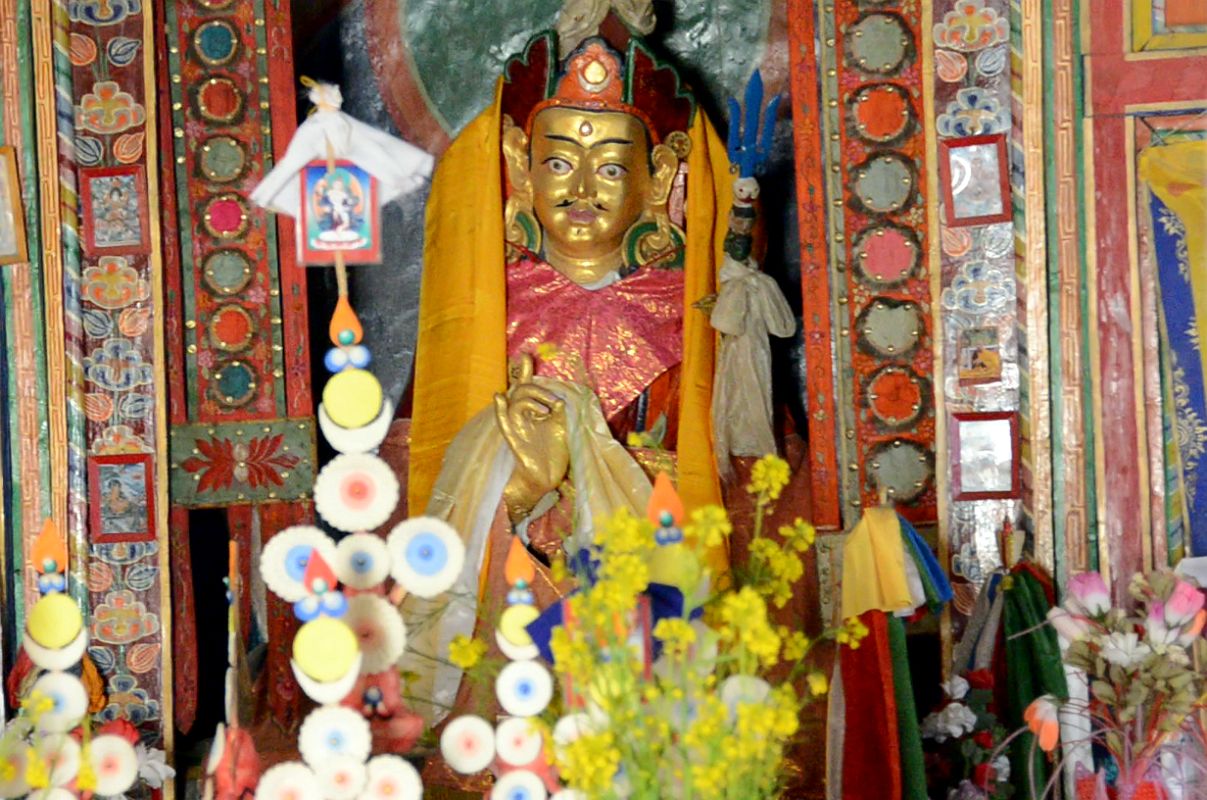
[533, 423]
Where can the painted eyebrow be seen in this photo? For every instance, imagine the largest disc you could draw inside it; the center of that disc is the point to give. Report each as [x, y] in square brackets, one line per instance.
[560, 138]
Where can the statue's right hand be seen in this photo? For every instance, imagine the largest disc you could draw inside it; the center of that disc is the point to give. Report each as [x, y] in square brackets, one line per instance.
[532, 421]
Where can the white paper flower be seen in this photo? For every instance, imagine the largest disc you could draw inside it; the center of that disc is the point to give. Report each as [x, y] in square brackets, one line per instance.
[115, 762]
[1001, 768]
[1124, 649]
[379, 629]
[341, 777]
[392, 778]
[69, 697]
[518, 741]
[333, 731]
[952, 722]
[515, 652]
[362, 561]
[743, 690]
[61, 754]
[426, 556]
[956, 687]
[519, 784]
[524, 688]
[569, 794]
[288, 781]
[152, 767]
[16, 785]
[468, 744]
[356, 492]
[284, 559]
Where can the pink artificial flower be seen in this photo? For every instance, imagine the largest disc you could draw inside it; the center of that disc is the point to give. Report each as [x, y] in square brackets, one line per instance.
[1182, 606]
[1088, 595]
[1042, 717]
[1156, 629]
[1069, 626]
[1192, 631]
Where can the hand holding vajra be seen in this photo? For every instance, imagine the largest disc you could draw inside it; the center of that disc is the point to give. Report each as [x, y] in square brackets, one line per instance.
[533, 423]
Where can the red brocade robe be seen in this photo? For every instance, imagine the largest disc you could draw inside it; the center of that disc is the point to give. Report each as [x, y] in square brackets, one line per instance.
[624, 340]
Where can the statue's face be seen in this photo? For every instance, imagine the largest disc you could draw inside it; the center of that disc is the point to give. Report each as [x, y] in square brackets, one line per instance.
[591, 179]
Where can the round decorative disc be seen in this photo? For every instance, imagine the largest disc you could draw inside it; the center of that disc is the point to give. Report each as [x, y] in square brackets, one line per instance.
[881, 112]
[896, 396]
[468, 744]
[233, 384]
[216, 42]
[886, 255]
[326, 649]
[333, 732]
[219, 100]
[879, 43]
[225, 216]
[356, 492]
[392, 778]
[226, 271]
[231, 328]
[352, 398]
[884, 183]
[221, 159]
[215, 5]
[890, 328]
[902, 466]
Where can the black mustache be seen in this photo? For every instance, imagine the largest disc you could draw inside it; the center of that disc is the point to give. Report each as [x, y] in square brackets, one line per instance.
[569, 202]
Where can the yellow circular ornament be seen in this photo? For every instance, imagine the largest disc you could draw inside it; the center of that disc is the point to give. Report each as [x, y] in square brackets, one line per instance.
[54, 621]
[352, 398]
[325, 649]
[676, 565]
[513, 621]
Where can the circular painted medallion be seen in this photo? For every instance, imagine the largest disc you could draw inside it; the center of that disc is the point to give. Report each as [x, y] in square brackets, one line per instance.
[233, 384]
[890, 328]
[879, 43]
[884, 184]
[881, 112]
[896, 396]
[221, 159]
[226, 271]
[216, 42]
[886, 255]
[214, 5]
[231, 328]
[225, 216]
[219, 100]
[901, 466]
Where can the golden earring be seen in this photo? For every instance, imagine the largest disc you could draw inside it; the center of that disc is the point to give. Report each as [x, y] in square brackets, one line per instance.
[654, 240]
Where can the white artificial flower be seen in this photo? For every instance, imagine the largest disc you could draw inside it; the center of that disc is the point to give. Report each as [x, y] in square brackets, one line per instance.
[1001, 768]
[952, 722]
[151, 766]
[1125, 649]
[956, 687]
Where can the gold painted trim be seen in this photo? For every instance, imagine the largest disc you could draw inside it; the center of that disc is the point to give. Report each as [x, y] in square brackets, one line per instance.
[155, 260]
[935, 265]
[1140, 39]
[42, 23]
[1167, 55]
[1035, 266]
[1138, 366]
[1104, 560]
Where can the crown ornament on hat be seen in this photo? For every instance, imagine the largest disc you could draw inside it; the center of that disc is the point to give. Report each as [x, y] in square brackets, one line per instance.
[615, 71]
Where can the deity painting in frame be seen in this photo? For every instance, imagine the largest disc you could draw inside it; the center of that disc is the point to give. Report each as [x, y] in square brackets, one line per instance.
[121, 497]
[985, 455]
[114, 202]
[339, 214]
[974, 177]
[638, 635]
[979, 356]
[13, 249]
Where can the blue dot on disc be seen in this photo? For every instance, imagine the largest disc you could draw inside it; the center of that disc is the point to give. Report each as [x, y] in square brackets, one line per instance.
[296, 560]
[362, 563]
[426, 554]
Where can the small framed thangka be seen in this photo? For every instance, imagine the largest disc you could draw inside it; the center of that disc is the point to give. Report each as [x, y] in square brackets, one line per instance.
[114, 203]
[975, 180]
[13, 249]
[339, 214]
[985, 454]
[121, 497]
[979, 356]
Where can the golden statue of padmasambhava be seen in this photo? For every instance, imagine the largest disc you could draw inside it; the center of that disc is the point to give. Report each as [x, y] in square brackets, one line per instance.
[570, 229]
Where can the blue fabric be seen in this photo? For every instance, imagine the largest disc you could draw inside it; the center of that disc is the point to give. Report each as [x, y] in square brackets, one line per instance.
[1181, 335]
[666, 602]
[928, 566]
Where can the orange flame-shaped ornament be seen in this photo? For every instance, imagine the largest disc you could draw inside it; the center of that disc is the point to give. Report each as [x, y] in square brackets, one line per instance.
[49, 550]
[345, 328]
[518, 566]
[665, 509]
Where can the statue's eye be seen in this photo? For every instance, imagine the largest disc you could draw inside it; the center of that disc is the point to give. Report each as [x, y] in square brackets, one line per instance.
[612, 172]
[559, 166]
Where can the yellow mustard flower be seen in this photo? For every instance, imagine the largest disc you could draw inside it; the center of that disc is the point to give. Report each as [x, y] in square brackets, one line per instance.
[800, 535]
[557, 570]
[465, 652]
[86, 777]
[768, 477]
[571, 655]
[851, 633]
[36, 704]
[589, 763]
[675, 634]
[37, 772]
[709, 526]
[8, 771]
[796, 644]
[818, 683]
[547, 351]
